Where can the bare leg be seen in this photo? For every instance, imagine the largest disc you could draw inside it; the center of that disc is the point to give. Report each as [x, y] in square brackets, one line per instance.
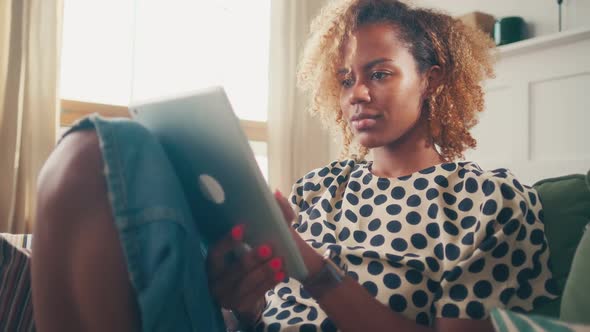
[79, 276]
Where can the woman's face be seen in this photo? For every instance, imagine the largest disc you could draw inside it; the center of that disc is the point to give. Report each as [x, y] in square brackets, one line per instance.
[381, 89]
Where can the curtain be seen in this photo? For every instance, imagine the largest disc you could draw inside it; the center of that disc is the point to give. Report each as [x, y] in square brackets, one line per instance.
[297, 142]
[30, 41]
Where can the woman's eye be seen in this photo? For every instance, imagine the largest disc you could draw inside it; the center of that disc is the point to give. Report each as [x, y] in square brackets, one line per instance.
[347, 83]
[379, 75]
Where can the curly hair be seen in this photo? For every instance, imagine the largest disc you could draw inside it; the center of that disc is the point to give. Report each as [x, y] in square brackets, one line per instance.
[433, 38]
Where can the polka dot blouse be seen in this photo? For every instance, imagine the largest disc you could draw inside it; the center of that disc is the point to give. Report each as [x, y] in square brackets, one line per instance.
[448, 241]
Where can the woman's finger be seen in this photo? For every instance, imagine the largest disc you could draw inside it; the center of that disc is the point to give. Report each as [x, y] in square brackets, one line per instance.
[288, 212]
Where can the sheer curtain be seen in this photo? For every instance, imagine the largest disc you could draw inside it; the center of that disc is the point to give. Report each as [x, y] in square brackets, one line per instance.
[297, 143]
[30, 37]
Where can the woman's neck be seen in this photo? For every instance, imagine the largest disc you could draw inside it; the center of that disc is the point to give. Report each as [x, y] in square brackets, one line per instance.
[407, 155]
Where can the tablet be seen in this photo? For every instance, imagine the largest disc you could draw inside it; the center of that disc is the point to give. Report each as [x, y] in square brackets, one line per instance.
[221, 180]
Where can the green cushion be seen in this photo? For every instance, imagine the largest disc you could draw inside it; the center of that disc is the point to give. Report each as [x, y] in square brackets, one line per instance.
[575, 302]
[509, 321]
[566, 208]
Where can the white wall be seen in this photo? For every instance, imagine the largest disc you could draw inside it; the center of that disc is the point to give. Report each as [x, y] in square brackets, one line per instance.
[541, 15]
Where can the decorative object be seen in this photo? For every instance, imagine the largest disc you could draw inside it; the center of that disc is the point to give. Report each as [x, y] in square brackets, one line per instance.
[509, 30]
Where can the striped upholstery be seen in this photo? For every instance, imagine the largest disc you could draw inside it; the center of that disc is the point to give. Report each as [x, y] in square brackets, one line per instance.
[16, 306]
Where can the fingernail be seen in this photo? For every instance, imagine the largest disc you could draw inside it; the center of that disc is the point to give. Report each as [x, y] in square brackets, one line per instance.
[264, 251]
[278, 194]
[237, 232]
[276, 264]
[280, 276]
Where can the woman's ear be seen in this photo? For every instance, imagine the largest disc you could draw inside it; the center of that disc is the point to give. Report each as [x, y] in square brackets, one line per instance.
[434, 78]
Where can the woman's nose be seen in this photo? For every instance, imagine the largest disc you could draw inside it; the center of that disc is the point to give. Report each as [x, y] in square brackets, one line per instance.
[359, 94]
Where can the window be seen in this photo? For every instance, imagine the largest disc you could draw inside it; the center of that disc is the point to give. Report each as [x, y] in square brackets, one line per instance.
[116, 52]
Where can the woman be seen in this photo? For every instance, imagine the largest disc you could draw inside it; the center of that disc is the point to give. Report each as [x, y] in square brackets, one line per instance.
[412, 241]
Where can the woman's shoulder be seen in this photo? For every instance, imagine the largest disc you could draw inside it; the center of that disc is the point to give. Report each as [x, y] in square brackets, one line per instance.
[336, 168]
[499, 183]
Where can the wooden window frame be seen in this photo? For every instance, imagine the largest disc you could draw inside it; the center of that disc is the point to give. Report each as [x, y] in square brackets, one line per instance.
[73, 110]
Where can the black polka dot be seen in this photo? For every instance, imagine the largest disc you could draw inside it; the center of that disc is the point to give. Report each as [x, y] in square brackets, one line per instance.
[490, 207]
[533, 198]
[392, 281]
[475, 310]
[328, 238]
[295, 320]
[506, 295]
[431, 193]
[397, 303]
[414, 201]
[366, 210]
[329, 225]
[283, 314]
[380, 199]
[308, 328]
[441, 181]
[450, 199]
[377, 240]
[468, 221]
[328, 181]
[367, 178]
[354, 186]
[316, 229]
[271, 312]
[530, 217]
[501, 250]
[428, 170]
[274, 327]
[328, 326]
[420, 298]
[367, 193]
[488, 244]
[420, 183]
[432, 264]
[488, 187]
[452, 214]
[422, 319]
[433, 230]
[524, 291]
[394, 226]
[354, 260]
[511, 227]
[350, 216]
[416, 264]
[371, 287]
[433, 210]
[312, 314]
[458, 292]
[459, 186]
[522, 232]
[419, 241]
[359, 236]
[449, 166]
[452, 252]
[413, 218]
[439, 251]
[398, 192]
[467, 239]
[374, 224]
[304, 294]
[399, 244]
[507, 192]
[315, 213]
[504, 215]
[482, 289]
[450, 310]
[344, 234]
[393, 209]
[518, 257]
[450, 228]
[326, 206]
[537, 237]
[383, 183]
[471, 185]
[352, 199]
[465, 205]
[371, 254]
[518, 185]
[477, 266]
[433, 286]
[501, 272]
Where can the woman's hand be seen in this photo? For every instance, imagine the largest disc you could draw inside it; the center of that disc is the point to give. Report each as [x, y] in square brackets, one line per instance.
[239, 276]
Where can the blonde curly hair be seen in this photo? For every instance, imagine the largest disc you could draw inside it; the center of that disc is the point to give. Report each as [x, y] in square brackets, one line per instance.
[433, 38]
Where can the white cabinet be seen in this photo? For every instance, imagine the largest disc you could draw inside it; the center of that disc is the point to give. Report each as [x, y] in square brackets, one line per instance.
[537, 117]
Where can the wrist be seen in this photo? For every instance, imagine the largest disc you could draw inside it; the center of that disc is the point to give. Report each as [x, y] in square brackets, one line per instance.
[326, 276]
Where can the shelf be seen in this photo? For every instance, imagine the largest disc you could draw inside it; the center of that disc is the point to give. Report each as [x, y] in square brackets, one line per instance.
[556, 39]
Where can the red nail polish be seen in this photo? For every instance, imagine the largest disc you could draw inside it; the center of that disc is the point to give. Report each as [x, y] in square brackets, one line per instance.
[279, 276]
[278, 194]
[237, 232]
[276, 264]
[264, 251]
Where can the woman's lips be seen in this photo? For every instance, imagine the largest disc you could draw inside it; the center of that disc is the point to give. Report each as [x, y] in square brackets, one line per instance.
[365, 123]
